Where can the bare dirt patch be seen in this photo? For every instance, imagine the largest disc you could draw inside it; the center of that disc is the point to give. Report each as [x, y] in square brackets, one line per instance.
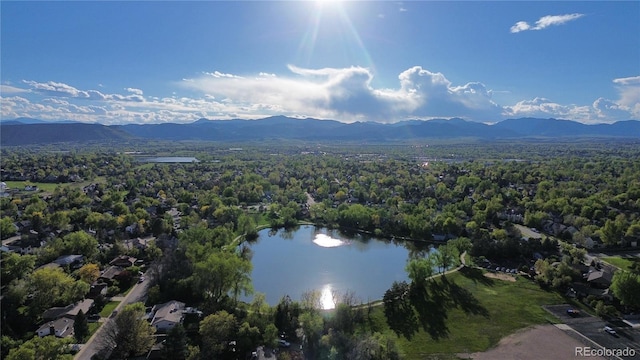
[500, 276]
[533, 343]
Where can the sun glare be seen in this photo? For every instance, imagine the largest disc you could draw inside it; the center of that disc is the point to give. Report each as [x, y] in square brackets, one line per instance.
[327, 241]
[327, 2]
[326, 298]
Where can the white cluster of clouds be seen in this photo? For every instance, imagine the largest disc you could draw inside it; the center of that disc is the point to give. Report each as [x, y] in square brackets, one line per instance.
[344, 94]
[544, 22]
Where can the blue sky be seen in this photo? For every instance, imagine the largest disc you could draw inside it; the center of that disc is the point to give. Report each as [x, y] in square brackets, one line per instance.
[385, 61]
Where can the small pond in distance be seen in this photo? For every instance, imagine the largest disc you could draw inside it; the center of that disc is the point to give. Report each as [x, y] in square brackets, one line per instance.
[166, 159]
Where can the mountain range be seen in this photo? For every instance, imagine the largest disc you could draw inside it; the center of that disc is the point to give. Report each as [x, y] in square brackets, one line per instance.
[24, 131]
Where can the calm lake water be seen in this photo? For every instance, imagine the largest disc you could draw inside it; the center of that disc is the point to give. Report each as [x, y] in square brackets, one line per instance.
[310, 258]
[168, 159]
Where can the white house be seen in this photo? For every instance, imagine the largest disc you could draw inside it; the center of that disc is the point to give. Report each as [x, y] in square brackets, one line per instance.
[167, 315]
[61, 328]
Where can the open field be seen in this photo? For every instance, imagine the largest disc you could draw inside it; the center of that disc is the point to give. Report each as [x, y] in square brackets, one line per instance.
[41, 186]
[510, 306]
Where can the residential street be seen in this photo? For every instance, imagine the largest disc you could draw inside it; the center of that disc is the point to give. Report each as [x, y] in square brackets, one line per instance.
[137, 293]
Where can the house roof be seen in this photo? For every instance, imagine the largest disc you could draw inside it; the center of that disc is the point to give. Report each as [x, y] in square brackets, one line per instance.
[83, 305]
[170, 311]
[56, 312]
[63, 327]
[600, 276]
[112, 272]
[68, 259]
[122, 259]
[70, 310]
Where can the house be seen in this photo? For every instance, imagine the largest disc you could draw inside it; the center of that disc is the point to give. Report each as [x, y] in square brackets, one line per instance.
[57, 312]
[138, 243]
[70, 311]
[600, 278]
[110, 274]
[96, 289]
[73, 261]
[23, 226]
[123, 261]
[84, 305]
[61, 328]
[167, 315]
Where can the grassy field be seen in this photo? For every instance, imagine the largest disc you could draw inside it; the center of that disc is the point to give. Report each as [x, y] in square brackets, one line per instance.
[21, 184]
[508, 306]
[622, 263]
[108, 309]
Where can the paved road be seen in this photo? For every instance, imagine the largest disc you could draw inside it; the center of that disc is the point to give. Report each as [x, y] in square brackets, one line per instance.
[137, 293]
[592, 328]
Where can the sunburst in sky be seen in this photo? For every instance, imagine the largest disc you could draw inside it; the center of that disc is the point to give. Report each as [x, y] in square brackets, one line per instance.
[151, 62]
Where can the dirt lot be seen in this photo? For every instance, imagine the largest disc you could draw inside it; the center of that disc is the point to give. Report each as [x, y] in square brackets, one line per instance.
[538, 342]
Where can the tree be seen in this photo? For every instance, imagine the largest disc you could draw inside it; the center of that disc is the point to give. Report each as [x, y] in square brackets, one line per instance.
[16, 266]
[270, 335]
[80, 327]
[80, 242]
[248, 337]
[128, 334]
[626, 287]
[612, 231]
[374, 347]
[52, 286]
[175, 346]
[398, 309]
[220, 273]
[42, 348]
[312, 325]
[7, 229]
[216, 331]
[89, 273]
[419, 271]
[445, 257]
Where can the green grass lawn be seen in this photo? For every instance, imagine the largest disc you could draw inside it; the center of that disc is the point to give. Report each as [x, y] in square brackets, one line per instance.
[509, 306]
[108, 308]
[622, 263]
[41, 186]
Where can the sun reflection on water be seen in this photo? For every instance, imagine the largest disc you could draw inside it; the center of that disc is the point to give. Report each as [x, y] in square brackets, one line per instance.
[326, 298]
[324, 240]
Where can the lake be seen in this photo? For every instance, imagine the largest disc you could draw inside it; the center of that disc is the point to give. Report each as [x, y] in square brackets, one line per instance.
[168, 159]
[309, 258]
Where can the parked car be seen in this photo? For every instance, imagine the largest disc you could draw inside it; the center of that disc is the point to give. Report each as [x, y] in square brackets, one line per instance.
[93, 317]
[283, 343]
[573, 312]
